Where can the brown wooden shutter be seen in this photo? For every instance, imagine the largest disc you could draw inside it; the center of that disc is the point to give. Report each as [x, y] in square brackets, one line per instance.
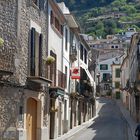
[40, 54]
[32, 53]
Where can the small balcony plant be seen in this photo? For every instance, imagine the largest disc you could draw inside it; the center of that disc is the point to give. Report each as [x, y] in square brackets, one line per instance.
[50, 60]
[1, 42]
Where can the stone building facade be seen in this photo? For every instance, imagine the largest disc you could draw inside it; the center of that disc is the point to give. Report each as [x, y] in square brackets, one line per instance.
[34, 102]
[23, 81]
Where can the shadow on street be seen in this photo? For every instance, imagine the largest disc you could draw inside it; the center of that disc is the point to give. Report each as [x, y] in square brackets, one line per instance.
[109, 125]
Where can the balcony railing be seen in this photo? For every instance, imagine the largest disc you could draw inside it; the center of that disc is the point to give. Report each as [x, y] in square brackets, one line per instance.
[39, 72]
[6, 61]
[73, 53]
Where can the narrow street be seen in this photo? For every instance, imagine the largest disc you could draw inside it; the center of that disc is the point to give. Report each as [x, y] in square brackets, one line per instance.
[109, 124]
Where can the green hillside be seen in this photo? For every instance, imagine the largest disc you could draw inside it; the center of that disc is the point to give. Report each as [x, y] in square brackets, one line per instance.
[102, 17]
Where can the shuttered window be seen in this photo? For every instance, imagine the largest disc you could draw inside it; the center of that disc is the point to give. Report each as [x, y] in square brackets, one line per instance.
[36, 53]
[56, 23]
[61, 79]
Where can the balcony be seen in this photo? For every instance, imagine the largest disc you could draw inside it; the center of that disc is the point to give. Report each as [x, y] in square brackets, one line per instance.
[6, 62]
[38, 73]
[73, 53]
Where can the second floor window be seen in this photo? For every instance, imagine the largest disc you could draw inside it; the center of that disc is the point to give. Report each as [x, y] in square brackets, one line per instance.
[36, 53]
[117, 73]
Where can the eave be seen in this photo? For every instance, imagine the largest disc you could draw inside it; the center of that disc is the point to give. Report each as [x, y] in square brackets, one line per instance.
[71, 21]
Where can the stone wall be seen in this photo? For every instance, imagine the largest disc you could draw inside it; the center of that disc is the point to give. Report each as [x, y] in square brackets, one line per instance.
[10, 100]
[15, 16]
[15, 30]
[29, 12]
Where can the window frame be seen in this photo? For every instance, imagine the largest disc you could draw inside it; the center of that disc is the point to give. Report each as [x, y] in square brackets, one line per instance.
[117, 75]
[104, 65]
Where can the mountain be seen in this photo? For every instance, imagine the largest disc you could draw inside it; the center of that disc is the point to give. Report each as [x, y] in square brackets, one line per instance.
[102, 17]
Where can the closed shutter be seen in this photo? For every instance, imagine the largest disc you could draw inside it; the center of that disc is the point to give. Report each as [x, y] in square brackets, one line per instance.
[59, 79]
[40, 54]
[32, 53]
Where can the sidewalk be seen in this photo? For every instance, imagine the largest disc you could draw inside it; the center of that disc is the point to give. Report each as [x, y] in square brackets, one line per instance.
[76, 129]
[131, 124]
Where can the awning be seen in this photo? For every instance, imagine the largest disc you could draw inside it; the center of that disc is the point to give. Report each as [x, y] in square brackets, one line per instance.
[84, 66]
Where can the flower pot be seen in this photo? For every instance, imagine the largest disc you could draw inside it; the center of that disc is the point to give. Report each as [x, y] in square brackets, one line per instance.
[50, 60]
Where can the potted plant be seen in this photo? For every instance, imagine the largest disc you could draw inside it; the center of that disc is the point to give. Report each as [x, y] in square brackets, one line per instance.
[50, 60]
[1, 42]
[53, 109]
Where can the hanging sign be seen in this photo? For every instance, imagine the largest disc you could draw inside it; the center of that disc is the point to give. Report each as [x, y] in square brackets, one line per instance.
[75, 73]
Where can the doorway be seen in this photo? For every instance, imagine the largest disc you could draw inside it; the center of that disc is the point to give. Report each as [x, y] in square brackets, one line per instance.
[31, 119]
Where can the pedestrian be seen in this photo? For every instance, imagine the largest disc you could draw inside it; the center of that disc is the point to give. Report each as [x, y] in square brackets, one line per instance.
[137, 131]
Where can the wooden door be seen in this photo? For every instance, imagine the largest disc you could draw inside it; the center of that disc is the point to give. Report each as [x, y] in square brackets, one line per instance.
[31, 120]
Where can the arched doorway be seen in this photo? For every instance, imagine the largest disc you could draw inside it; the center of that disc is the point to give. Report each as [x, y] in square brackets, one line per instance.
[31, 119]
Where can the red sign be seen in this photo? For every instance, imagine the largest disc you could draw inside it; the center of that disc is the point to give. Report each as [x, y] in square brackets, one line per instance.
[75, 73]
